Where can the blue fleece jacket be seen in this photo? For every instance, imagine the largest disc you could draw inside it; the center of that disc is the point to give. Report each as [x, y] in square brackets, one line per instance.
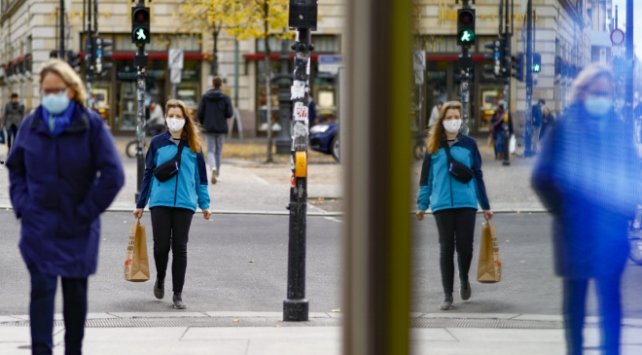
[187, 189]
[439, 190]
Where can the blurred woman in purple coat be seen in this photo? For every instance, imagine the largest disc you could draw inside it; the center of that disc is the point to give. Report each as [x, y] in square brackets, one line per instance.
[63, 172]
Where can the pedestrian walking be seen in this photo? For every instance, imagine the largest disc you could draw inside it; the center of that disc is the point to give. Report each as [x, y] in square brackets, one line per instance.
[172, 202]
[12, 115]
[64, 171]
[548, 120]
[537, 113]
[453, 199]
[501, 127]
[587, 176]
[214, 111]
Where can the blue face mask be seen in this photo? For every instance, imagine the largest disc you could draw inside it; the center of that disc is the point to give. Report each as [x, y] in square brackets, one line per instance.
[598, 105]
[56, 103]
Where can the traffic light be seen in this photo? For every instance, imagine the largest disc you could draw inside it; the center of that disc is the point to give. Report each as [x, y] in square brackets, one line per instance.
[73, 59]
[495, 55]
[517, 64]
[465, 27]
[90, 52]
[303, 14]
[140, 24]
[537, 63]
[102, 51]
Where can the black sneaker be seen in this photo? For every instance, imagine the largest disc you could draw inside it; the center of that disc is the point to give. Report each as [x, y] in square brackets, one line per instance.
[159, 289]
[465, 291]
[447, 304]
[178, 301]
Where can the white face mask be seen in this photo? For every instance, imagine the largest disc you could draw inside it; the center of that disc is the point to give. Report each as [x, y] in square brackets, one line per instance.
[452, 126]
[175, 124]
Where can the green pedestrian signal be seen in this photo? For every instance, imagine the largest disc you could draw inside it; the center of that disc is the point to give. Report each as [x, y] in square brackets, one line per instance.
[140, 24]
[466, 26]
[141, 35]
[466, 37]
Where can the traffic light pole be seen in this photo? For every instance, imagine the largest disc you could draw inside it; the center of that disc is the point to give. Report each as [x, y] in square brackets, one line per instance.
[528, 113]
[141, 65]
[630, 60]
[296, 306]
[465, 68]
[507, 34]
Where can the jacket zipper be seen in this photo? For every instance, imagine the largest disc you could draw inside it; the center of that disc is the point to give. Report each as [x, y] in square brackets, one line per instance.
[450, 180]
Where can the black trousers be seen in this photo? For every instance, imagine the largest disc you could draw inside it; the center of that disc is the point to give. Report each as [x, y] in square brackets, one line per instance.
[171, 231]
[12, 131]
[41, 313]
[608, 294]
[456, 232]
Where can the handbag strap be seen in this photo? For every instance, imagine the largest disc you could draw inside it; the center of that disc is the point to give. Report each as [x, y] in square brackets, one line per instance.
[180, 152]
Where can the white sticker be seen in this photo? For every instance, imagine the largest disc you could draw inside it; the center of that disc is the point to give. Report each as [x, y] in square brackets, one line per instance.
[300, 112]
[298, 90]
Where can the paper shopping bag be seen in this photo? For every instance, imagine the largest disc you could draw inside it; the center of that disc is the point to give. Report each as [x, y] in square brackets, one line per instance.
[489, 269]
[136, 262]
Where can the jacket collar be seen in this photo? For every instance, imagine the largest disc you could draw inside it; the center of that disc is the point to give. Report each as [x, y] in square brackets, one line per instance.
[79, 121]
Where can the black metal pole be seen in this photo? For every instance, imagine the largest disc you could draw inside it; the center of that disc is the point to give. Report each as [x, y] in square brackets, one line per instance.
[140, 60]
[528, 141]
[507, 32]
[295, 307]
[466, 72]
[630, 60]
[283, 141]
[62, 30]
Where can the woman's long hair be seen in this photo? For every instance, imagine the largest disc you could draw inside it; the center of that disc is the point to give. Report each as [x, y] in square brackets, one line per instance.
[191, 131]
[437, 133]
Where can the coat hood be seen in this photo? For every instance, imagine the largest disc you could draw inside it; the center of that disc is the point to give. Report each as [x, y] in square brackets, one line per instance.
[214, 95]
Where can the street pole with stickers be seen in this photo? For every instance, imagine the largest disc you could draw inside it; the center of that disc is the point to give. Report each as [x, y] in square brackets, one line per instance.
[140, 36]
[303, 18]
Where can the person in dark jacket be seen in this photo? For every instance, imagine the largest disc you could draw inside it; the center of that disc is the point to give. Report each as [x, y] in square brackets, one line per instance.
[64, 171]
[454, 203]
[501, 127]
[588, 177]
[214, 111]
[537, 118]
[173, 202]
[12, 116]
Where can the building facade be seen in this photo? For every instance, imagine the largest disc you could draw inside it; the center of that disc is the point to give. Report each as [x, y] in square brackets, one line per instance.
[29, 31]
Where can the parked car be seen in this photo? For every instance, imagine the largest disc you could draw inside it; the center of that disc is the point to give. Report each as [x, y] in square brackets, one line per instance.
[324, 138]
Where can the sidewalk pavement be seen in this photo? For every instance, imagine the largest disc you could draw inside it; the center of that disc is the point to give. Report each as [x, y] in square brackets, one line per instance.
[223, 333]
[251, 186]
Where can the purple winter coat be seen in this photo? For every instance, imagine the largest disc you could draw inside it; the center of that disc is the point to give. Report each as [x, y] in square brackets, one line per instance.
[59, 186]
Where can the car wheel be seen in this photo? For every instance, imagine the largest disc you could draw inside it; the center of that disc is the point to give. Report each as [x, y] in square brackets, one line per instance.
[335, 148]
[130, 149]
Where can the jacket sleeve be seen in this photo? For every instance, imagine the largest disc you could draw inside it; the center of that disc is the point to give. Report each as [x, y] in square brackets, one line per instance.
[201, 182]
[18, 190]
[110, 175]
[230, 110]
[543, 178]
[480, 186]
[201, 111]
[146, 185]
[425, 184]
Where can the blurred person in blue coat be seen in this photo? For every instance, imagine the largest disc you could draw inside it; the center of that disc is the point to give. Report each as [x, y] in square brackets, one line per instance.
[172, 202]
[63, 173]
[588, 177]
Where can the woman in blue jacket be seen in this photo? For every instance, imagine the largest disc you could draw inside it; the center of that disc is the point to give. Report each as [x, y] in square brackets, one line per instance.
[63, 173]
[173, 202]
[453, 202]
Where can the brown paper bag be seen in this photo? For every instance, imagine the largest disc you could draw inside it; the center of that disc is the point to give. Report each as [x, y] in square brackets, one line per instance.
[136, 262]
[489, 269]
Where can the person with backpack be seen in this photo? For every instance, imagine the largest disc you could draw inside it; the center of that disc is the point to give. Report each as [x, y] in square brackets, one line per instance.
[214, 111]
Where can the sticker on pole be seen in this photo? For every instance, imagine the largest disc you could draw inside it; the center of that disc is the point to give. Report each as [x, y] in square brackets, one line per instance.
[300, 112]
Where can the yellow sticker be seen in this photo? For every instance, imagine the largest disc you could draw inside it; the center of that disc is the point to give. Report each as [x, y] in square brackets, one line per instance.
[301, 164]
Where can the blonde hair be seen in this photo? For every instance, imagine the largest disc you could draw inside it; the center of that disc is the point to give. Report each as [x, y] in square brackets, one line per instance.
[192, 130]
[68, 75]
[437, 131]
[586, 77]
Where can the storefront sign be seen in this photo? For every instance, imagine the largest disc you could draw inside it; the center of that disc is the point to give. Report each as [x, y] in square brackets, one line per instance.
[330, 64]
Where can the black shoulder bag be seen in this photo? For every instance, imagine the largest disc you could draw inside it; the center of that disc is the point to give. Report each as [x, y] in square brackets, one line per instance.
[168, 169]
[457, 169]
